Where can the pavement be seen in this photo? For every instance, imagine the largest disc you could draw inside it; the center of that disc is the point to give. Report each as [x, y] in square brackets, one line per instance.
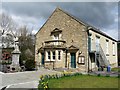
[25, 85]
[28, 79]
[104, 73]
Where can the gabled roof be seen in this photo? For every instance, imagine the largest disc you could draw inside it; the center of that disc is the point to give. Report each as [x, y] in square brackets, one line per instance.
[87, 25]
[83, 23]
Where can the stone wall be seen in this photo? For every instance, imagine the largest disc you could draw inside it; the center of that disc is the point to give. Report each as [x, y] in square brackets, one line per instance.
[73, 32]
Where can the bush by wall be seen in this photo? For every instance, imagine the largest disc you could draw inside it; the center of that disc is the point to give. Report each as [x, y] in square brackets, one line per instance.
[30, 64]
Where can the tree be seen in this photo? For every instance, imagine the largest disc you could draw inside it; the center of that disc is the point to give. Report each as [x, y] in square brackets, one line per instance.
[25, 38]
[7, 23]
[26, 43]
[8, 26]
[30, 64]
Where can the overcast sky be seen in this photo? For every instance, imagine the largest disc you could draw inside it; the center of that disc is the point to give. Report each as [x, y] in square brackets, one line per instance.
[102, 15]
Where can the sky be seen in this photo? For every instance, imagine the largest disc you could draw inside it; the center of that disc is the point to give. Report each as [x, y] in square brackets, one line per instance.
[102, 15]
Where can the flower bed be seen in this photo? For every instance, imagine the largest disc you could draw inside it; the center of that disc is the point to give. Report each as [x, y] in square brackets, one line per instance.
[45, 80]
[43, 83]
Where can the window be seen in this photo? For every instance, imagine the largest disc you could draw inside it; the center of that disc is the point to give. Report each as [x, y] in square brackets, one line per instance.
[113, 48]
[107, 47]
[48, 54]
[81, 60]
[89, 41]
[53, 55]
[59, 55]
[97, 43]
[56, 37]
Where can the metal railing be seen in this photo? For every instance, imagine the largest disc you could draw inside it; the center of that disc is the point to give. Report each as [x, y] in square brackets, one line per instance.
[100, 55]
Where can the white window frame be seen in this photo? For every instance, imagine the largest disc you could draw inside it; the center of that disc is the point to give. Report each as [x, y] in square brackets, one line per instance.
[81, 60]
[53, 55]
[113, 48]
[107, 47]
[97, 42]
[48, 55]
[56, 37]
[59, 55]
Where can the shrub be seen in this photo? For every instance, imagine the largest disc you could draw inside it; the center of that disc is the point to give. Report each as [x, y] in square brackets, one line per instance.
[99, 75]
[76, 74]
[30, 65]
[118, 76]
[107, 75]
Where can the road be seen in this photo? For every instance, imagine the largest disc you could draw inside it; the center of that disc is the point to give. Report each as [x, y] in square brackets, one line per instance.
[23, 79]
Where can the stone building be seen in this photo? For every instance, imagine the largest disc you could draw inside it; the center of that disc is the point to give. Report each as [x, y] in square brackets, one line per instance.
[67, 42]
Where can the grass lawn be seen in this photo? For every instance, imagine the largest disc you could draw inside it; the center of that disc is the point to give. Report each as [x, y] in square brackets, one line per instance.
[84, 81]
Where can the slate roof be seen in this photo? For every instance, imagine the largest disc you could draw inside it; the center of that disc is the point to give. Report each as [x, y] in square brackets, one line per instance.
[87, 25]
[118, 41]
[82, 22]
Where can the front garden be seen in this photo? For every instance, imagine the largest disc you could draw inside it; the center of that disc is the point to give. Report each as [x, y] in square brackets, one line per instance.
[77, 80]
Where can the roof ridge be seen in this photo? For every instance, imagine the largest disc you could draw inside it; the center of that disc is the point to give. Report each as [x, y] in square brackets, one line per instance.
[86, 24]
[80, 21]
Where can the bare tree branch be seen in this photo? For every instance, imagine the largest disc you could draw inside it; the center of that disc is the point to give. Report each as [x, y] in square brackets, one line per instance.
[8, 26]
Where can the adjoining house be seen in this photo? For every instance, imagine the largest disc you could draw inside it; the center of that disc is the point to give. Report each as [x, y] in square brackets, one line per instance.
[67, 42]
